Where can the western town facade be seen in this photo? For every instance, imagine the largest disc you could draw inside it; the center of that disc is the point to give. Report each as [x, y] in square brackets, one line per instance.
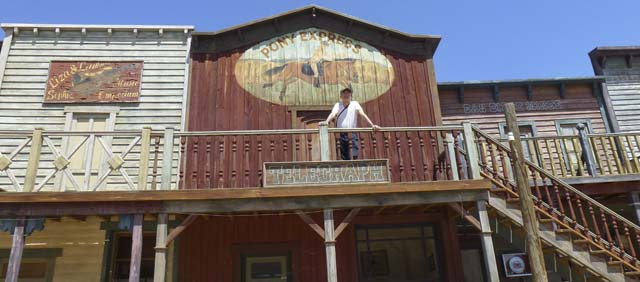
[155, 153]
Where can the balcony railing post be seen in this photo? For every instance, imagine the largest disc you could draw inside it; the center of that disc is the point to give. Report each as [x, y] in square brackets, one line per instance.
[587, 152]
[34, 160]
[167, 159]
[451, 151]
[145, 150]
[472, 151]
[323, 129]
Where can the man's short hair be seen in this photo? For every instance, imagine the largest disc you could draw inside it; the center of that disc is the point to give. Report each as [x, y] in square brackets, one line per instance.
[346, 90]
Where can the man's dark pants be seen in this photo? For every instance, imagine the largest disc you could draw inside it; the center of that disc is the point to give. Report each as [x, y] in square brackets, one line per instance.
[346, 150]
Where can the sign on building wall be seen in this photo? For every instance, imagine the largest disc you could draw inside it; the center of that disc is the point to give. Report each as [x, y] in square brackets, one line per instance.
[528, 106]
[279, 174]
[93, 82]
[311, 66]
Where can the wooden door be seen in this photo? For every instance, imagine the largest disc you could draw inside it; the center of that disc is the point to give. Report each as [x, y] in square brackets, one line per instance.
[87, 163]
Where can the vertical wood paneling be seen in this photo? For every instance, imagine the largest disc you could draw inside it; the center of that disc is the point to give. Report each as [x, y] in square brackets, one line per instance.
[218, 102]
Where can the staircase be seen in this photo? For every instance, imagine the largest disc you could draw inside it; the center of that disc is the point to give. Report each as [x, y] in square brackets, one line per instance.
[573, 226]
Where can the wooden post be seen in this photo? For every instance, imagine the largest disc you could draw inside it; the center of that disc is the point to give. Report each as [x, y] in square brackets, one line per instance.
[472, 151]
[323, 130]
[167, 160]
[587, 152]
[330, 246]
[160, 269]
[529, 219]
[145, 149]
[34, 161]
[490, 263]
[136, 248]
[13, 269]
[451, 151]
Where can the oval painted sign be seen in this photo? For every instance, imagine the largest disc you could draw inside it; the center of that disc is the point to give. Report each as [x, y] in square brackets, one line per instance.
[311, 66]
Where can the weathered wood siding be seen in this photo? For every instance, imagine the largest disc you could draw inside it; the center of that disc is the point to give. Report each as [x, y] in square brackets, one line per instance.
[82, 244]
[24, 66]
[218, 102]
[579, 102]
[206, 249]
[623, 85]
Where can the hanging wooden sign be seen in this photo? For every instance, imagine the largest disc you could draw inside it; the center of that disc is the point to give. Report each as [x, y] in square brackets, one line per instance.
[280, 174]
[93, 82]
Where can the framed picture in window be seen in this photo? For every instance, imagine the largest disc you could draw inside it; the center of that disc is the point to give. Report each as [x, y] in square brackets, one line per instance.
[516, 265]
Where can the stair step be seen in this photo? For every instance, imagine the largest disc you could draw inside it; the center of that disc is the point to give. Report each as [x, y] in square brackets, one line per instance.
[632, 273]
[562, 230]
[546, 220]
[513, 200]
[597, 252]
[581, 241]
[614, 262]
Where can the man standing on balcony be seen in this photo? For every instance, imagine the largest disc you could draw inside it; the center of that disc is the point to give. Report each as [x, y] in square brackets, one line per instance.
[345, 114]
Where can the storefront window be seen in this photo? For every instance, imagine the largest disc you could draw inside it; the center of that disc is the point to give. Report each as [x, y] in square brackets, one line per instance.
[398, 253]
[122, 257]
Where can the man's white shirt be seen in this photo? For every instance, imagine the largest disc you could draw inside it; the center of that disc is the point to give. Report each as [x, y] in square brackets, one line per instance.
[349, 117]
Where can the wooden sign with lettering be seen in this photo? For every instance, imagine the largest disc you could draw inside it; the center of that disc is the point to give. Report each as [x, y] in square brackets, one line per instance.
[93, 82]
[282, 174]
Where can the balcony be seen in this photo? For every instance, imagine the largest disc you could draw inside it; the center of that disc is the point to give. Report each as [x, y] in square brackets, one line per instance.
[59, 161]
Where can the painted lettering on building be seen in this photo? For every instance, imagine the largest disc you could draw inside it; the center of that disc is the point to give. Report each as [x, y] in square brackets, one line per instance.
[529, 106]
[311, 66]
[93, 82]
[325, 173]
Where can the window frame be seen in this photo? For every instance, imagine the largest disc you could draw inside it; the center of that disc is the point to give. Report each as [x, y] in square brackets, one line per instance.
[440, 263]
[48, 255]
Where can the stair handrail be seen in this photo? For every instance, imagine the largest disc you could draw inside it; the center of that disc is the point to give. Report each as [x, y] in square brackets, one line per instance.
[559, 181]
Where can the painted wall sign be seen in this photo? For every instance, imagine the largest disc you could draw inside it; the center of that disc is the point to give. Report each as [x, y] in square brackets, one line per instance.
[529, 106]
[311, 66]
[93, 82]
[279, 174]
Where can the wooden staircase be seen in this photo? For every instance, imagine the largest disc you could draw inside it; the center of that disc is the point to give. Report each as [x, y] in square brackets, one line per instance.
[573, 227]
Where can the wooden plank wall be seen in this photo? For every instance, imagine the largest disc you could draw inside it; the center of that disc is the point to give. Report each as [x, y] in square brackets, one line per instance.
[82, 244]
[623, 85]
[28, 55]
[208, 248]
[579, 103]
[217, 102]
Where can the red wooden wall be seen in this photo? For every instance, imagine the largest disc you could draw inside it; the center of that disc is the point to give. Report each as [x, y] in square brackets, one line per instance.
[206, 248]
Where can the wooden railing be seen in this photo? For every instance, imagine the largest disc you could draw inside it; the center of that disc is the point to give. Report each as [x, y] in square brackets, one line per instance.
[39, 160]
[570, 209]
[585, 154]
[32, 161]
[233, 159]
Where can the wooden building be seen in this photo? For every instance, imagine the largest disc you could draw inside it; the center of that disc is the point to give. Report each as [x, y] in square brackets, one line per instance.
[239, 181]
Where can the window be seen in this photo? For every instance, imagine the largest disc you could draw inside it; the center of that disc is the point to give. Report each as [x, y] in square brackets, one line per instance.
[122, 257]
[398, 253]
[266, 267]
[37, 265]
[527, 130]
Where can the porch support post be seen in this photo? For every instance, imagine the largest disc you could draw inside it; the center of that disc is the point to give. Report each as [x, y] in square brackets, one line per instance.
[330, 246]
[472, 151]
[160, 270]
[136, 248]
[323, 130]
[167, 159]
[34, 161]
[490, 264]
[16, 252]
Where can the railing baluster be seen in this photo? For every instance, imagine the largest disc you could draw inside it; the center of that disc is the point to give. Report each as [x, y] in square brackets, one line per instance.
[195, 166]
[154, 171]
[594, 223]
[183, 162]
[560, 152]
[207, 173]
[578, 149]
[412, 160]
[425, 160]
[596, 154]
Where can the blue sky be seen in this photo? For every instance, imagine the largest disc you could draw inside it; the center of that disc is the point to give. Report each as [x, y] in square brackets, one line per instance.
[481, 40]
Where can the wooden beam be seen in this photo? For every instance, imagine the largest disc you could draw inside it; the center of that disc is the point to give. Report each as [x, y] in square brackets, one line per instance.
[490, 264]
[246, 193]
[17, 246]
[309, 221]
[530, 221]
[34, 161]
[160, 268]
[330, 246]
[460, 210]
[345, 223]
[136, 248]
[183, 225]
[145, 154]
[380, 210]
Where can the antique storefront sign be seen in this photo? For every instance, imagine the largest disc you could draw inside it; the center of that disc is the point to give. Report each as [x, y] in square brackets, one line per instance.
[93, 82]
[311, 66]
[528, 106]
[279, 174]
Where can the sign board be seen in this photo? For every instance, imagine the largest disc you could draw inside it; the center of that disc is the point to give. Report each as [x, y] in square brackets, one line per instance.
[283, 174]
[311, 66]
[93, 82]
[528, 106]
[516, 265]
